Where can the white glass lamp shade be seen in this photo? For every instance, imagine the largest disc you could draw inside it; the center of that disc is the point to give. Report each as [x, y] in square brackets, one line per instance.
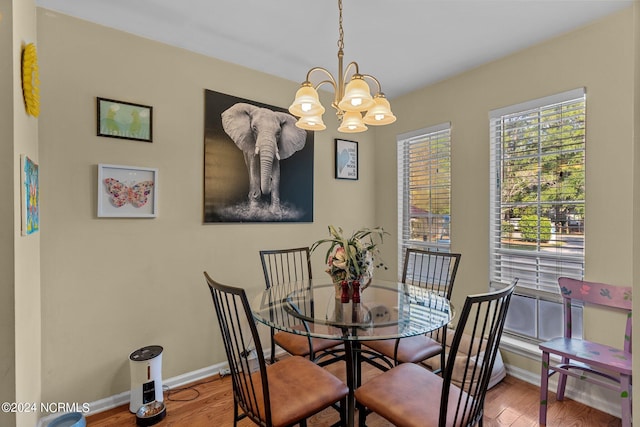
[357, 95]
[380, 113]
[306, 102]
[352, 123]
[309, 122]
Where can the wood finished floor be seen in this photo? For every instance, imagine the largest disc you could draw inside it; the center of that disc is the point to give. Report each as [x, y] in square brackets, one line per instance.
[511, 403]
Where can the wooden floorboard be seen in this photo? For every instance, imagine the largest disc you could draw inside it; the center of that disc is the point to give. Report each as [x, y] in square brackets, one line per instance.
[210, 403]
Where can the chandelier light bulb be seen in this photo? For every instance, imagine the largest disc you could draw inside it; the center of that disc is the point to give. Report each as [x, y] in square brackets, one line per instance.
[352, 123]
[306, 101]
[357, 95]
[311, 122]
[380, 114]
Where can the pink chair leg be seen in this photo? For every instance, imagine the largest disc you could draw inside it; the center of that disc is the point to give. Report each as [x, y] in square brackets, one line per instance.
[544, 388]
[625, 394]
[562, 381]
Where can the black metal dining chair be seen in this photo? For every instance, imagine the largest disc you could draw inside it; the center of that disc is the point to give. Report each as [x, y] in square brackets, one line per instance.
[285, 266]
[407, 394]
[278, 395]
[435, 271]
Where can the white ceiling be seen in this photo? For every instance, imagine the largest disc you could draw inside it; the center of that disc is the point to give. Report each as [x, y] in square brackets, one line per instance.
[406, 44]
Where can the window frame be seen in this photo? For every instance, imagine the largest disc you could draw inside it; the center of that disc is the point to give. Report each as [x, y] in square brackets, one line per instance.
[540, 291]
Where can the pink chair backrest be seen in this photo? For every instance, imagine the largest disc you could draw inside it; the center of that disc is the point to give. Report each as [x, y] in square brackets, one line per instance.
[596, 293]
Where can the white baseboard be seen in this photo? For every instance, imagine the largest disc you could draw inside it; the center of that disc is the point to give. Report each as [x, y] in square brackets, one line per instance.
[590, 396]
[124, 397]
[171, 383]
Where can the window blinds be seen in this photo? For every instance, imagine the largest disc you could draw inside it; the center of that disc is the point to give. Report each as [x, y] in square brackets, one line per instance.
[424, 188]
[538, 191]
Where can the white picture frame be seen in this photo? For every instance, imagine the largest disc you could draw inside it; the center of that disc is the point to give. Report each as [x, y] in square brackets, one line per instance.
[127, 191]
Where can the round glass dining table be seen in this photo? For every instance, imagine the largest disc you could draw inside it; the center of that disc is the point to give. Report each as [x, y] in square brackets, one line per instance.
[385, 310]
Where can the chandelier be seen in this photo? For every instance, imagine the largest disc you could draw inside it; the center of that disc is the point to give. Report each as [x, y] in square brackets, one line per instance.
[351, 100]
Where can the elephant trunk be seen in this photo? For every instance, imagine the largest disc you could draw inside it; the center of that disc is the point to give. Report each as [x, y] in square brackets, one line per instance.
[267, 153]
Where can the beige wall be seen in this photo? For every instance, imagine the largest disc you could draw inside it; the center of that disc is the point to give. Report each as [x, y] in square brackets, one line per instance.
[599, 57]
[110, 286]
[20, 356]
[28, 315]
[7, 180]
[636, 176]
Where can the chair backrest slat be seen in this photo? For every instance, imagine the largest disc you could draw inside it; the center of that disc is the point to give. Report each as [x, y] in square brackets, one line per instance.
[619, 297]
[481, 322]
[239, 334]
[287, 268]
[285, 265]
[435, 271]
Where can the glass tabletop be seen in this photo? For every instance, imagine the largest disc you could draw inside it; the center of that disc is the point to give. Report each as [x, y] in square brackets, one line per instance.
[386, 310]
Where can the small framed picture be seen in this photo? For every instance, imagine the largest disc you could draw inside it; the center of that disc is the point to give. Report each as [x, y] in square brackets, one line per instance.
[127, 191]
[346, 159]
[124, 120]
[30, 194]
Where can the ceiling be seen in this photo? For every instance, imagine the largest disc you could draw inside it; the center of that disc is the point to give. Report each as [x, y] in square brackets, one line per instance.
[406, 44]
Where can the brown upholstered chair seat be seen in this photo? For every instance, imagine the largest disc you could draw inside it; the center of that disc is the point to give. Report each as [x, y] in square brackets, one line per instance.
[299, 344]
[292, 399]
[394, 396]
[410, 349]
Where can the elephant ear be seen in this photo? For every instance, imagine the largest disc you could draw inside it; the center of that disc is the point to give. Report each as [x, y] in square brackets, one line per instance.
[292, 138]
[236, 122]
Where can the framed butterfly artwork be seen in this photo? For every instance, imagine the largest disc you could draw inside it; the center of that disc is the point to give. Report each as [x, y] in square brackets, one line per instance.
[127, 191]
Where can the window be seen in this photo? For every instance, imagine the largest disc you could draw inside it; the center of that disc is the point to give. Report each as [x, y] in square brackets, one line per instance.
[424, 189]
[537, 207]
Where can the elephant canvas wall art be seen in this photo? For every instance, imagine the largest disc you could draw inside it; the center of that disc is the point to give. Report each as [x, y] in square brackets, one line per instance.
[258, 166]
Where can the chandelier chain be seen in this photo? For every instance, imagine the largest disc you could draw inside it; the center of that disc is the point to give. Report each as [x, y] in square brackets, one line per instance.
[341, 31]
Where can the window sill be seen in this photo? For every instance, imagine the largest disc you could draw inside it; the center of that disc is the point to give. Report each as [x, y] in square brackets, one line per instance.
[520, 347]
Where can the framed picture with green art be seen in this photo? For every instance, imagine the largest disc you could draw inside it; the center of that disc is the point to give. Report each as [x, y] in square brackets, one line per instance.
[124, 120]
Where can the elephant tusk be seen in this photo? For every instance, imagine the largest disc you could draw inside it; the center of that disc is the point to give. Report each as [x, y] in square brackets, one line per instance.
[257, 150]
[277, 155]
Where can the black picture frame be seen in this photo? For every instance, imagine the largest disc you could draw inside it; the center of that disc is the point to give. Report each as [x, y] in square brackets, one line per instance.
[346, 159]
[227, 178]
[124, 120]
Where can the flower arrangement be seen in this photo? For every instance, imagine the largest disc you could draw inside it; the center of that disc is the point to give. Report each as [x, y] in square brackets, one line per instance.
[354, 257]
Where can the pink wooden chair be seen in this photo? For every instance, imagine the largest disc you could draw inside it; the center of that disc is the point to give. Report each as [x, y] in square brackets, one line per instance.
[605, 366]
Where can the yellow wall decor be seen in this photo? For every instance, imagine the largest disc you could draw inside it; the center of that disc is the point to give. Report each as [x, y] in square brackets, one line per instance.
[31, 80]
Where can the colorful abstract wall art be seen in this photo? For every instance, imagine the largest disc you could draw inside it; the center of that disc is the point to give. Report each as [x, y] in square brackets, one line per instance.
[30, 193]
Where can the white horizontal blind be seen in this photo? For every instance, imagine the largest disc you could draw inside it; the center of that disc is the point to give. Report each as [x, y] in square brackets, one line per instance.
[424, 189]
[537, 193]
